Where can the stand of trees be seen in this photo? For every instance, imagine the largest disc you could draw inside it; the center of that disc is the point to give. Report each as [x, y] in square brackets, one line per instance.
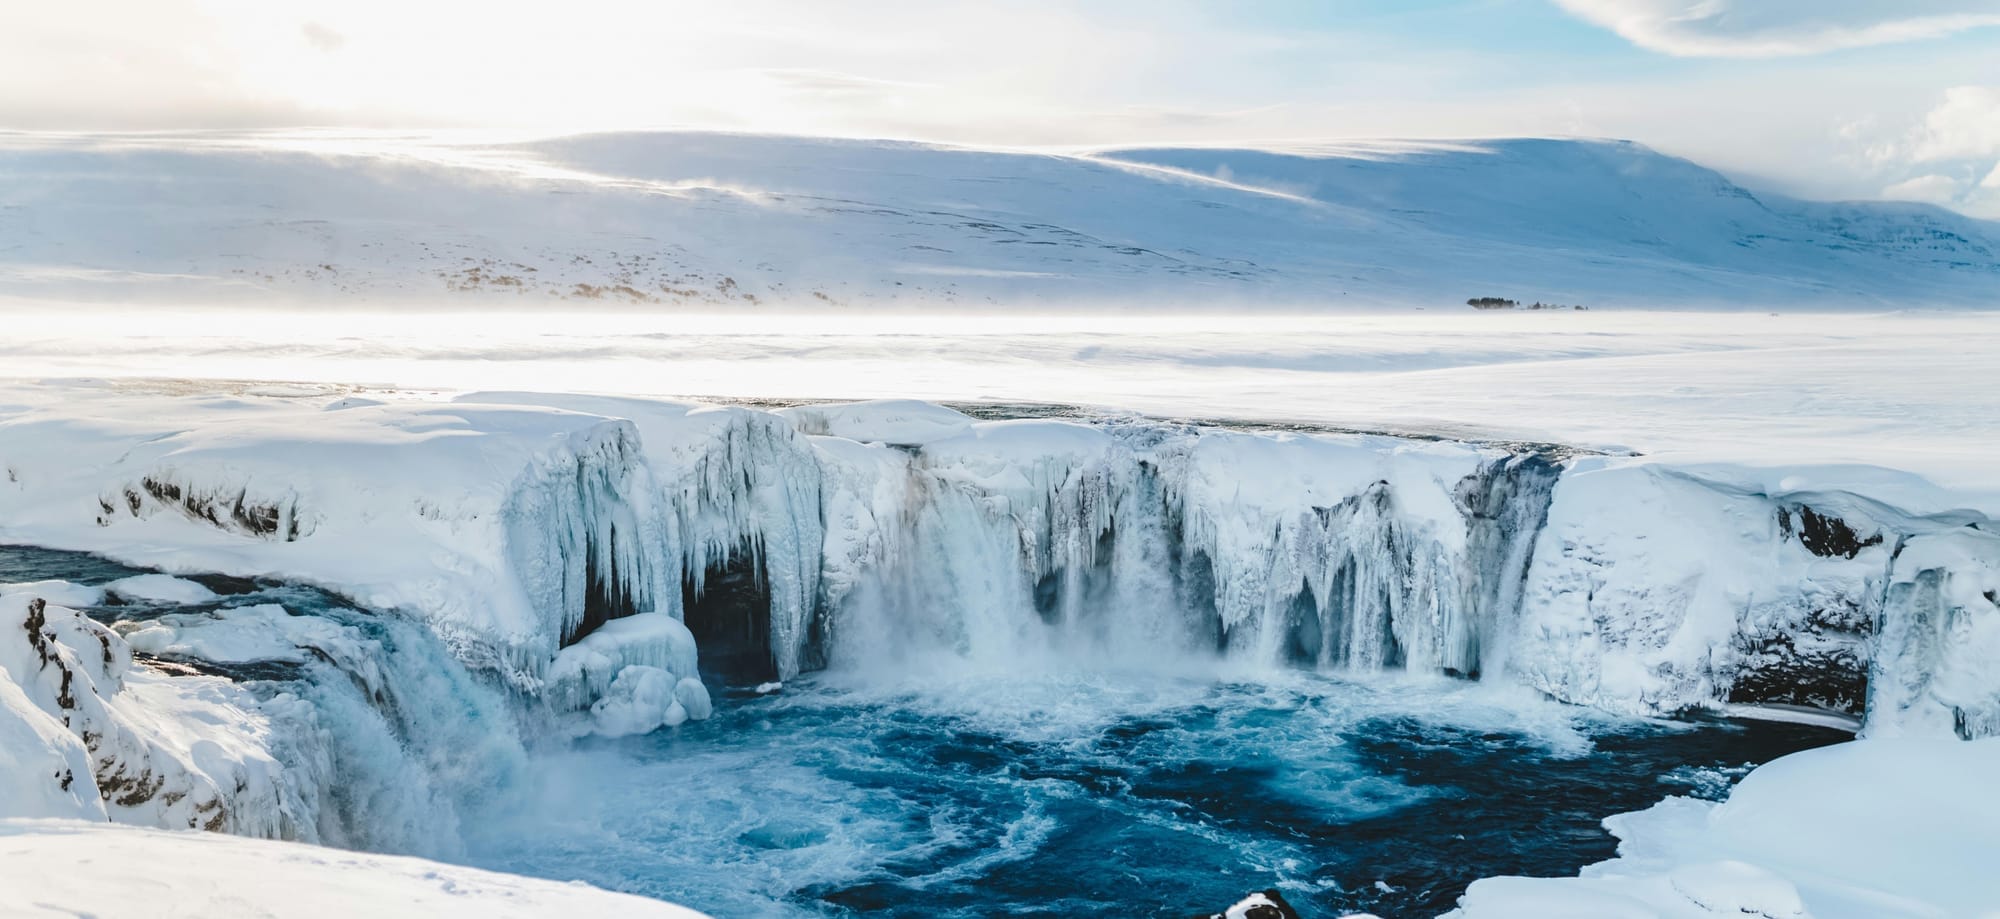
[1502, 303]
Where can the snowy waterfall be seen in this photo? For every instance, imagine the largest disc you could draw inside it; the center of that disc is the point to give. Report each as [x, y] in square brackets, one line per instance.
[515, 566]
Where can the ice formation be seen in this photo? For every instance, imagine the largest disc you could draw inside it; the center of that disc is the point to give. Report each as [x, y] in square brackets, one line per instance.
[332, 726]
[539, 534]
[1657, 588]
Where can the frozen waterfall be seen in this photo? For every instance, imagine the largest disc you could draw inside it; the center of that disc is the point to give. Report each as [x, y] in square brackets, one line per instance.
[516, 527]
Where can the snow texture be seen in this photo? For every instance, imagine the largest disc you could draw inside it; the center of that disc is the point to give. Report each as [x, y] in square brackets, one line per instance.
[84, 869]
[1658, 588]
[1878, 829]
[506, 528]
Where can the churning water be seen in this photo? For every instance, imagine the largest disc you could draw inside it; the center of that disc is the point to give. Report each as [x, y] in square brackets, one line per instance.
[1064, 795]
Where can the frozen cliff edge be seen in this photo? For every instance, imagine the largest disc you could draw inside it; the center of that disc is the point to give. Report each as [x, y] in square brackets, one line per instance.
[206, 874]
[509, 530]
[517, 525]
[1865, 830]
[85, 734]
[1657, 588]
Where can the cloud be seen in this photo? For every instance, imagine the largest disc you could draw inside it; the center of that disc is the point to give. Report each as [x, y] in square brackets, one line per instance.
[1965, 124]
[1930, 189]
[1779, 28]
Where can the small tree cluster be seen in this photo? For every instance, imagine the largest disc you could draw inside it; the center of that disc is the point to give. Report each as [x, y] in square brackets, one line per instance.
[1502, 303]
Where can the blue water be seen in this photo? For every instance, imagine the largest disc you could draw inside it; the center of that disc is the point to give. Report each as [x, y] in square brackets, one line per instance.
[1052, 792]
[1061, 795]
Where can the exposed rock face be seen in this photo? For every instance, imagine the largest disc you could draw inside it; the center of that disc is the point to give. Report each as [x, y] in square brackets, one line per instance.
[180, 753]
[1822, 535]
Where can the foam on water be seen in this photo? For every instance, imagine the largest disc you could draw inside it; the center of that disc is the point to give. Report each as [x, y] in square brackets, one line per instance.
[1059, 792]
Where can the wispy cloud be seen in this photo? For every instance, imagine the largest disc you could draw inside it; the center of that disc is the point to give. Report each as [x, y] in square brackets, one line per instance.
[1779, 28]
[1930, 189]
[1060, 73]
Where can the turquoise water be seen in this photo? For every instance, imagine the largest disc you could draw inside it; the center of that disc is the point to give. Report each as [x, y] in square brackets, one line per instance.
[1054, 795]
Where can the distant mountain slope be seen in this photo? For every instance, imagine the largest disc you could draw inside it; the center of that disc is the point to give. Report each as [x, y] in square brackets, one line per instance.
[702, 218]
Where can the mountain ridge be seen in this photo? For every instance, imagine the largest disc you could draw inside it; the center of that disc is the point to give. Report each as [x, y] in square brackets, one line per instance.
[709, 219]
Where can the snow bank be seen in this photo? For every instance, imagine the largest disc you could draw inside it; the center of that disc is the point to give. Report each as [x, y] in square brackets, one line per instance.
[1866, 830]
[898, 422]
[91, 736]
[154, 873]
[506, 527]
[160, 587]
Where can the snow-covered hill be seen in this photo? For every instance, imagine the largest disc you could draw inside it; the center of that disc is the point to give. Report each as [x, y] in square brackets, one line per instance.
[740, 220]
[112, 872]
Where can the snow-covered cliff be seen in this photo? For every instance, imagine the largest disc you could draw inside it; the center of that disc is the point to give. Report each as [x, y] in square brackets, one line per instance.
[88, 735]
[1656, 588]
[515, 526]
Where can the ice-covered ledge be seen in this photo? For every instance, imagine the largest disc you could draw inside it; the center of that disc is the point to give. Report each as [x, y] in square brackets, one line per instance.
[503, 527]
[143, 872]
[516, 523]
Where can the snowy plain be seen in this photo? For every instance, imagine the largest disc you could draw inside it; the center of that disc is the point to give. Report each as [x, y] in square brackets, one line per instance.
[1897, 390]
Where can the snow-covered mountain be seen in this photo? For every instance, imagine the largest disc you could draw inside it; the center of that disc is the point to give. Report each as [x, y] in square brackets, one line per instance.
[731, 220]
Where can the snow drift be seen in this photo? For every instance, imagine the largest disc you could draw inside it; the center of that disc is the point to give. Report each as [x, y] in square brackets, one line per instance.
[1853, 831]
[187, 874]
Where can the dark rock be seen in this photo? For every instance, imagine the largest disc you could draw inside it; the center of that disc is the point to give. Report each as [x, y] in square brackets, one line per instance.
[1823, 535]
[1269, 904]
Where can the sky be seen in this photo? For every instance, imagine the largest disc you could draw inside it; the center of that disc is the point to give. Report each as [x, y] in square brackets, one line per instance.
[1823, 98]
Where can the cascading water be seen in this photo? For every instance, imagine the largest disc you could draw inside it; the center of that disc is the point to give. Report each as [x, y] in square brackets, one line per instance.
[1006, 612]
[1108, 546]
